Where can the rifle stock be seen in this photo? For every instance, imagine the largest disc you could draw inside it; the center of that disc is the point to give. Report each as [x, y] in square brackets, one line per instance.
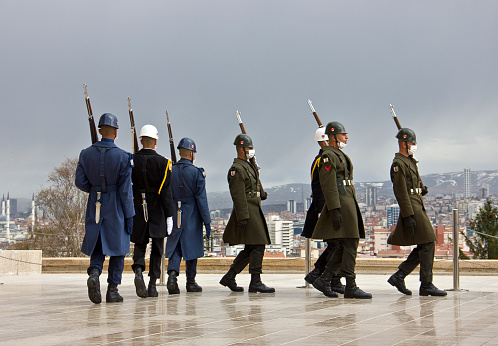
[134, 140]
[171, 141]
[252, 160]
[395, 118]
[317, 118]
[91, 121]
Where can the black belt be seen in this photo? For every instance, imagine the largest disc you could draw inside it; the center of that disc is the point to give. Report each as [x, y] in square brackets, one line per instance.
[98, 188]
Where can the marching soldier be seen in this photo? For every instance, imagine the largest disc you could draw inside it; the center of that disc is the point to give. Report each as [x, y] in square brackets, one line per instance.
[247, 223]
[104, 171]
[413, 227]
[188, 184]
[151, 178]
[312, 217]
[340, 219]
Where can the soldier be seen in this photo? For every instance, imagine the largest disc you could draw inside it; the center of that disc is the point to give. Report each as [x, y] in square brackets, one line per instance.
[247, 223]
[413, 227]
[151, 178]
[340, 218]
[191, 212]
[104, 171]
[312, 217]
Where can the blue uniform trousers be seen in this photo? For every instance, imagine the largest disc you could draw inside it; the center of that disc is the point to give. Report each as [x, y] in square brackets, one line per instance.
[116, 264]
[175, 260]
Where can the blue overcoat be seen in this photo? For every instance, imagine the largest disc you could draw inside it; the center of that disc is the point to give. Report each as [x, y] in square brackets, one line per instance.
[117, 202]
[195, 210]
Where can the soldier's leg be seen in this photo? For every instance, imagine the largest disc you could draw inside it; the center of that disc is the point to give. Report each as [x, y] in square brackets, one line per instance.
[413, 260]
[174, 269]
[256, 268]
[323, 283]
[335, 282]
[138, 267]
[320, 264]
[242, 259]
[350, 246]
[94, 270]
[156, 255]
[116, 266]
[427, 288]
[191, 271]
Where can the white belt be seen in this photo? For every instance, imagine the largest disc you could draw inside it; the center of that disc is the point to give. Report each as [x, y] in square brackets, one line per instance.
[416, 191]
[347, 182]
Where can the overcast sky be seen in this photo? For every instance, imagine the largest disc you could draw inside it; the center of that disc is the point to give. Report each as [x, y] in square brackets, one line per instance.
[435, 61]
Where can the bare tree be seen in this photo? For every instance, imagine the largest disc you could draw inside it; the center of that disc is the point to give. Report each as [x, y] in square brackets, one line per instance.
[64, 206]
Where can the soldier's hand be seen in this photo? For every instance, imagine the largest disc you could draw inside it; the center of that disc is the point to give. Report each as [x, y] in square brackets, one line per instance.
[129, 225]
[169, 225]
[336, 218]
[263, 195]
[242, 225]
[425, 190]
[409, 225]
[208, 230]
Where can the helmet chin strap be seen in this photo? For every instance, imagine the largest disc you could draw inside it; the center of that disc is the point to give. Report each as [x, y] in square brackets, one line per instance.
[407, 150]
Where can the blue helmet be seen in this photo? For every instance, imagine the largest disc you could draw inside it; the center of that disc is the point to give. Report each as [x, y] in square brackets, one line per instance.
[108, 119]
[187, 143]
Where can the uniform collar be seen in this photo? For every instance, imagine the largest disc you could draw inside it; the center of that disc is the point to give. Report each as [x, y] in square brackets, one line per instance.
[105, 144]
[147, 151]
[185, 161]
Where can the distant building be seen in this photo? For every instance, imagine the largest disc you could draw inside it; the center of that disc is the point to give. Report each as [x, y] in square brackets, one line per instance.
[307, 203]
[392, 215]
[484, 191]
[466, 193]
[281, 231]
[371, 195]
[292, 206]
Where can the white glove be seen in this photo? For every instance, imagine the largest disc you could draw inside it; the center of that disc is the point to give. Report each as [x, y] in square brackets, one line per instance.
[169, 225]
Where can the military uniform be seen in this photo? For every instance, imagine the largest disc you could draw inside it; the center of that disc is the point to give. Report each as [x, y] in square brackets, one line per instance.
[151, 176]
[104, 171]
[407, 189]
[336, 179]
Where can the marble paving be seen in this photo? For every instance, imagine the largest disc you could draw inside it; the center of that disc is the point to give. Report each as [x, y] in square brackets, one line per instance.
[53, 309]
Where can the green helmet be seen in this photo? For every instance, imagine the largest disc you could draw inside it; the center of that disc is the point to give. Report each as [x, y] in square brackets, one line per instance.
[407, 135]
[243, 141]
[335, 128]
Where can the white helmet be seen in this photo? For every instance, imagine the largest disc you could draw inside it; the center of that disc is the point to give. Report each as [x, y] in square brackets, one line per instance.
[149, 131]
[320, 135]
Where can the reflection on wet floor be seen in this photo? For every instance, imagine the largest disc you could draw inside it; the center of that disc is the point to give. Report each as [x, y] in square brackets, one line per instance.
[50, 309]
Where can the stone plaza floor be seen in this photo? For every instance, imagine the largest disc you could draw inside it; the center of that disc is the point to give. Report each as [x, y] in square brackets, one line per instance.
[53, 309]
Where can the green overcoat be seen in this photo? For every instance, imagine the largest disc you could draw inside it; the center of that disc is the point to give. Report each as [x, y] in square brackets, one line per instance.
[244, 188]
[406, 185]
[336, 177]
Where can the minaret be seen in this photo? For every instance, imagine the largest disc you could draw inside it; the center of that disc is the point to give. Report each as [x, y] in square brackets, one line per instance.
[3, 205]
[8, 218]
[33, 213]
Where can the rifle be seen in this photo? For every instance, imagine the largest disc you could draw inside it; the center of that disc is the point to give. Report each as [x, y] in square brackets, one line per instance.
[252, 160]
[93, 130]
[318, 121]
[171, 142]
[395, 118]
[134, 141]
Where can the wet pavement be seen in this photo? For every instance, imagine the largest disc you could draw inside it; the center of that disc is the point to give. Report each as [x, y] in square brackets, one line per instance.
[51, 309]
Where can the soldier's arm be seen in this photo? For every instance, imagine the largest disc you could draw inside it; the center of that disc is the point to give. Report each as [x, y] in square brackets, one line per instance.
[316, 189]
[124, 187]
[81, 180]
[201, 196]
[164, 190]
[400, 189]
[328, 182]
[237, 188]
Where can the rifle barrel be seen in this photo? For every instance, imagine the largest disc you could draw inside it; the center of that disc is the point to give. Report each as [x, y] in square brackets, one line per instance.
[91, 121]
[395, 118]
[171, 141]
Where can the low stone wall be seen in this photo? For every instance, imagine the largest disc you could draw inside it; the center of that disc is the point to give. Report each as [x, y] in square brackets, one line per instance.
[285, 265]
[16, 262]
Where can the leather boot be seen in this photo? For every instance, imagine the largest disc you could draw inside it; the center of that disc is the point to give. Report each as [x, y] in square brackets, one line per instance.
[93, 285]
[353, 291]
[228, 280]
[192, 286]
[152, 291]
[139, 283]
[336, 285]
[312, 276]
[172, 284]
[257, 286]
[398, 280]
[428, 289]
[323, 284]
[113, 295]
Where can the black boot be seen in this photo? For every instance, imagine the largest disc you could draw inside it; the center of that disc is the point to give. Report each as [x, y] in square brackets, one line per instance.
[93, 285]
[172, 283]
[139, 283]
[112, 295]
[353, 291]
[152, 291]
[192, 286]
[398, 281]
[323, 284]
[257, 286]
[228, 280]
[336, 285]
[428, 289]
[312, 275]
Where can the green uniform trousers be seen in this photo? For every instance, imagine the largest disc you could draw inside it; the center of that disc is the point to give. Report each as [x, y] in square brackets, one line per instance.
[343, 260]
[252, 255]
[423, 254]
